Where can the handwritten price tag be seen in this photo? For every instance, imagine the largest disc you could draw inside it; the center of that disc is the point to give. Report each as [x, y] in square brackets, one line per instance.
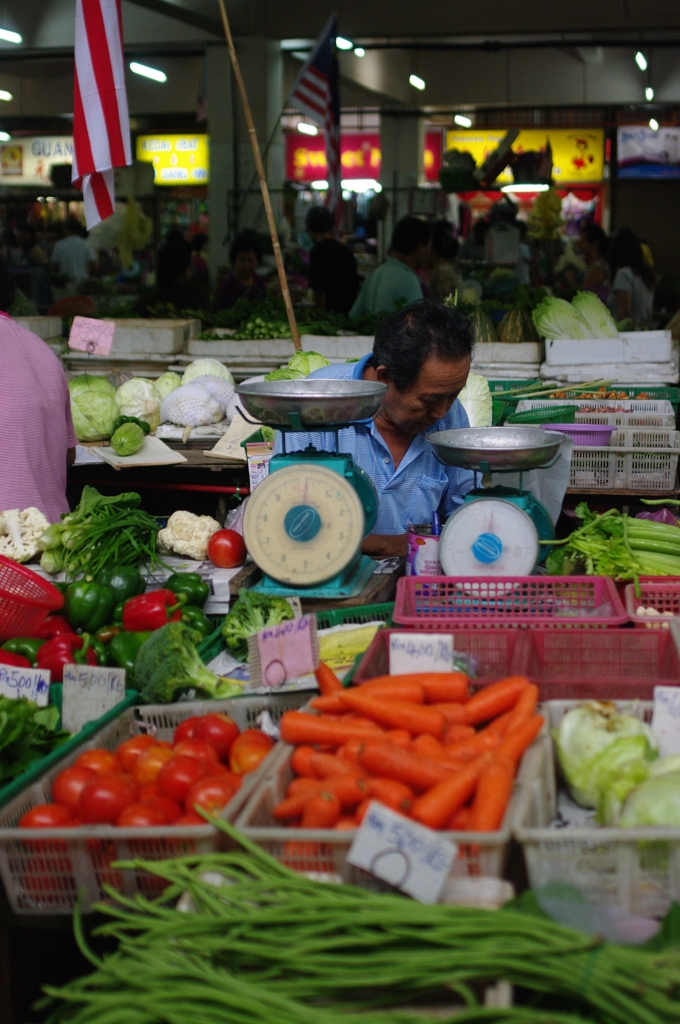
[92, 336]
[283, 652]
[666, 719]
[89, 692]
[413, 652]
[33, 683]
[406, 855]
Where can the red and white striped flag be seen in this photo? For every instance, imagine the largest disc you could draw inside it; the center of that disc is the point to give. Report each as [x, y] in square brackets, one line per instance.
[101, 127]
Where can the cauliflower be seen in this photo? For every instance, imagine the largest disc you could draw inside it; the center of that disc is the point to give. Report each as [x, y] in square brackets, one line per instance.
[188, 534]
[19, 532]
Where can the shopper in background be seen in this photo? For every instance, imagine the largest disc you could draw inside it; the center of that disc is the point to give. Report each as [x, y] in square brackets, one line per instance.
[593, 243]
[37, 441]
[632, 292]
[174, 285]
[333, 275]
[73, 257]
[199, 267]
[245, 257]
[474, 246]
[445, 278]
[396, 282]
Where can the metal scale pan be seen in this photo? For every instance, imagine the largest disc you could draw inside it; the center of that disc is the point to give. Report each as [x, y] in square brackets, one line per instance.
[312, 404]
[496, 449]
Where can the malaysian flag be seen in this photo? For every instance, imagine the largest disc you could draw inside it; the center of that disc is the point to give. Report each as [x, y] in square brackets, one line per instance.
[316, 94]
[101, 127]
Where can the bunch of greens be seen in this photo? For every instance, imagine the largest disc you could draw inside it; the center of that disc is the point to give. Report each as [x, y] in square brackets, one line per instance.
[168, 665]
[100, 532]
[299, 366]
[250, 613]
[27, 733]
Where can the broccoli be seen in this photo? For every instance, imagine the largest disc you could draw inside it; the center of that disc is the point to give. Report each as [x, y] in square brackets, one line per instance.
[168, 664]
[251, 613]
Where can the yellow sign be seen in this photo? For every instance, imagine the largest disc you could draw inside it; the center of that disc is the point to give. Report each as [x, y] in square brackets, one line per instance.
[578, 154]
[176, 159]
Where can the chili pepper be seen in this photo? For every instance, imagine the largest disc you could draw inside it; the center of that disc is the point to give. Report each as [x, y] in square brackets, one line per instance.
[196, 589]
[130, 419]
[107, 633]
[100, 650]
[196, 620]
[7, 658]
[152, 610]
[52, 626]
[117, 613]
[89, 605]
[65, 649]
[26, 646]
[123, 650]
[125, 581]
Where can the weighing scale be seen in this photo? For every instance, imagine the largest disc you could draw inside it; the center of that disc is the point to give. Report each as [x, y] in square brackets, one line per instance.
[303, 526]
[497, 530]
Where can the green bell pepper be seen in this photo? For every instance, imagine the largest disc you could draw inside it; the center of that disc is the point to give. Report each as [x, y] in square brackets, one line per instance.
[100, 651]
[124, 581]
[26, 646]
[196, 589]
[89, 605]
[194, 618]
[130, 419]
[117, 614]
[123, 651]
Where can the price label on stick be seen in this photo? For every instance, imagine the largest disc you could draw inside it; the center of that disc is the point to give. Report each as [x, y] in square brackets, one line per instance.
[409, 856]
[33, 683]
[414, 652]
[666, 719]
[283, 652]
[89, 692]
[92, 336]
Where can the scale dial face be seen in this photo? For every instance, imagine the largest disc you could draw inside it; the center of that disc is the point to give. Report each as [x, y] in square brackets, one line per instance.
[489, 537]
[303, 525]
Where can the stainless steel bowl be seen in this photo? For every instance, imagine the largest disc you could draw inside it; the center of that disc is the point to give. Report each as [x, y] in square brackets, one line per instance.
[496, 448]
[311, 404]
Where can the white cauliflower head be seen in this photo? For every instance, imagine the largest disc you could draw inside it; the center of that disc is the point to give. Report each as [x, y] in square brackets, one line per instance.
[19, 532]
[188, 534]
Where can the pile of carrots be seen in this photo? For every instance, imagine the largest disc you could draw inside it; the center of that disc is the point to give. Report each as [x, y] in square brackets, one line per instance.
[418, 743]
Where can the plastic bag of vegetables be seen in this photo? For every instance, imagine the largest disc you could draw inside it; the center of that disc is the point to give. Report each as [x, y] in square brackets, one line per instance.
[138, 397]
[191, 406]
[93, 407]
[166, 383]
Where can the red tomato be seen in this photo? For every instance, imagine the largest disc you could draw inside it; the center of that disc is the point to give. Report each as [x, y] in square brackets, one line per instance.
[177, 777]
[128, 752]
[46, 816]
[226, 549]
[212, 794]
[190, 818]
[149, 791]
[214, 767]
[69, 784]
[185, 729]
[195, 748]
[247, 750]
[102, 800]
[148, 764]
[141, 816]
[103, 762]
[170, 808]
[219, 731]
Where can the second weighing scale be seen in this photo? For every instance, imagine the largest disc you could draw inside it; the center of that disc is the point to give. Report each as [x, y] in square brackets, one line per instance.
[304, 524]
[496, 531]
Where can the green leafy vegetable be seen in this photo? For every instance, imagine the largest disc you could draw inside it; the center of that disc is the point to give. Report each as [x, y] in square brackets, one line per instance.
[250, 613]
[595, 315]
[167, 382]
[556, 318]
[139, 398]
[93, 407]
[206, 368]
[476, 400]
[655, 802]
[299, 366]
[27, 732]
[167, 665]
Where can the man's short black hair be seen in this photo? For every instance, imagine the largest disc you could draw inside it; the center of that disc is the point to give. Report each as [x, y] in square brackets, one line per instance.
[408, 234]
[319, 220]
[403, 342]
[246, 242]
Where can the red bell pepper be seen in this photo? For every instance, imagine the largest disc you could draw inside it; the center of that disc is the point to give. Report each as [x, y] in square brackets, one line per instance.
[152, 610]
[65, 649]
[17, 660]
[53, 626]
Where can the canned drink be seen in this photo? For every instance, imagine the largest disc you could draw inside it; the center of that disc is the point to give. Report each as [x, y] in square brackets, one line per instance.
[422, 551]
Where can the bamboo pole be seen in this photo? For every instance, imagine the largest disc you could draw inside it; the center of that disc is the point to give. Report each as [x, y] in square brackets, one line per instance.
[259, 167]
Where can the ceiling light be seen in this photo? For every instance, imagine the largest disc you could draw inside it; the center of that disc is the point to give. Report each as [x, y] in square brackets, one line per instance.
[361, 185]
[417, 82]
[649, 94]
[654, 124]
[147, 72]
[307, 129]
[462, 120]
[343, 44]
[525, 188]
[641, 60]
[359, 51]
[4, 95]
[319, 186]
[10, 37]
[5, 136]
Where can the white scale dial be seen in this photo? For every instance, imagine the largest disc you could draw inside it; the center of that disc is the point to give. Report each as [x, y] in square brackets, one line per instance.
[489, 537]
[303, 525]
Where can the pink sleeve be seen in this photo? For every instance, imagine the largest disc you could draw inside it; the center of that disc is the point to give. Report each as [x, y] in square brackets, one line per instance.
[71, 439]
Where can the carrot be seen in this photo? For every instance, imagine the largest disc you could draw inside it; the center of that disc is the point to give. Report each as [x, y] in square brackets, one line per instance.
[325, 766]
[493, 700]
[298, 727]
[302, 785]
[395, 687]
[427, 746]
[351, 750]
[514, 745]
[460, 821]
[454, 714]
[472, 748]
[524, 709]
[293, 806]
[322, 810]
[385, 761]
[299, 762]
[449, 687]
[500, 725]
[349, 790]
[391, 793]
[436, 807]
[493, 793]
[395, 714]
[345, 824]
[327, 680]
[330, 704]
[456, 733]
[398, 738]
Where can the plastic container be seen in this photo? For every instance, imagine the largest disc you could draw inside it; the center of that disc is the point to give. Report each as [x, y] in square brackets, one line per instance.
[544, 413]
[26, 600]
[482, 602]
[645, 437]
[623, 469]
[631, 412]
[663, 597]
[584, 433]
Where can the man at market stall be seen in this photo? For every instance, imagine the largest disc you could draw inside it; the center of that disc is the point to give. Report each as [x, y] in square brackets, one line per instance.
[423, 354]
[396, 280]
[37, 440]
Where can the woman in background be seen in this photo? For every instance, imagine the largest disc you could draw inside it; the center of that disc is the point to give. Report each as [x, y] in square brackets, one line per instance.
[245, 257]
[632, 292]
[593, 244]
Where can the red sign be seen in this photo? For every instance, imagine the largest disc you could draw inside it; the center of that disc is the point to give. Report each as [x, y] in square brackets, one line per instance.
[432, 159]
[306, 156]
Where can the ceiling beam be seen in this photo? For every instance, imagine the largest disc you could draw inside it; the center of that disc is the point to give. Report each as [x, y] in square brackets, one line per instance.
[171, 10]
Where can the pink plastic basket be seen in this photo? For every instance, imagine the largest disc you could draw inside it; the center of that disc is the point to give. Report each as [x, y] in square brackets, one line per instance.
[444, 603]
[663, 597]
[26, 600]
[585, 435]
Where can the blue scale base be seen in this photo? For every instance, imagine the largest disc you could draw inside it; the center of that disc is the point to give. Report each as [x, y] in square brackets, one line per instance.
[348, 583]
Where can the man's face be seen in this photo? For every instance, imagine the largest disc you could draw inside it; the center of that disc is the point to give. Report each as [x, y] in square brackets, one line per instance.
[439, 383]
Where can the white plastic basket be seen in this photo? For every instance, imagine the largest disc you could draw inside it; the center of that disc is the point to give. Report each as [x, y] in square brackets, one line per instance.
[636, 869]
[645, 437]
[45, 870]
[638, 413]
[623, 469]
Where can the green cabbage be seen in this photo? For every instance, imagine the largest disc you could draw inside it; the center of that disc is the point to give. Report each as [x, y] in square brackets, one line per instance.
[595, 315]
[139, 397]
[556, 318]
[128, 439]
[93, 407]
[299, 366]
[206, 368]
[476, 400]
[166, 383]
[655, 802]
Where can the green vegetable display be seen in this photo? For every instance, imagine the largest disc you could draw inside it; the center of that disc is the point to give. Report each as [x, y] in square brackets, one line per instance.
[123, 649]
[595, 315]
[139, 398]
[197, 622]
[26, 646]
[124, 581]
[167, 382]
[168, 665]
[206, 368]
[250, 613]
[127, 440]
[191, 584]
[557, 318]
[93, 407]
[131, 419]
[299, 366]
[27, 732]
[88, 606]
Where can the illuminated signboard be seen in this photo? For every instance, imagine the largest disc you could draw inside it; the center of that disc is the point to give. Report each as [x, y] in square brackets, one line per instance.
[306, 156]
[578, 154]
[176, 159]
[27, 160]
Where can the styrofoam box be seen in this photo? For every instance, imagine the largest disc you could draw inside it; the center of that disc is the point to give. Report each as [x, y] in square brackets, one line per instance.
[505, 352]
[629, 347]
[338, 348]
[161, 337]
[44, 326]
[634, 373]
[504, 371]
[278, 349]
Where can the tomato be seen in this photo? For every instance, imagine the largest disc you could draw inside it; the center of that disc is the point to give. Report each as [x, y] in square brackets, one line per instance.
[148, 764]
[103, 762]
[190, 818]
[102, 800]
[140, 815]
[195, 748]
[128, 752]
[227, 549]
[149, 791]
[177, 777]
[219, 731]
[170, 808]
[46, 816]
[247, 750]
[185, 729]
[214, 767]
[212, 794]
[69, 784]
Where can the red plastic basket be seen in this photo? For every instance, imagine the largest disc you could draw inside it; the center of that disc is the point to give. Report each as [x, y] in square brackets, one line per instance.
[26, 600]
[443, 603]
[662, 596]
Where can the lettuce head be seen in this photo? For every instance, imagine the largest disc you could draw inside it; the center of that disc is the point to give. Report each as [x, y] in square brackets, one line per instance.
[299, 366]
[556, 318]
[139, 397]
[166, 383]
[476, 400]
[595, 315]
[206, 367]
[93, 407]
